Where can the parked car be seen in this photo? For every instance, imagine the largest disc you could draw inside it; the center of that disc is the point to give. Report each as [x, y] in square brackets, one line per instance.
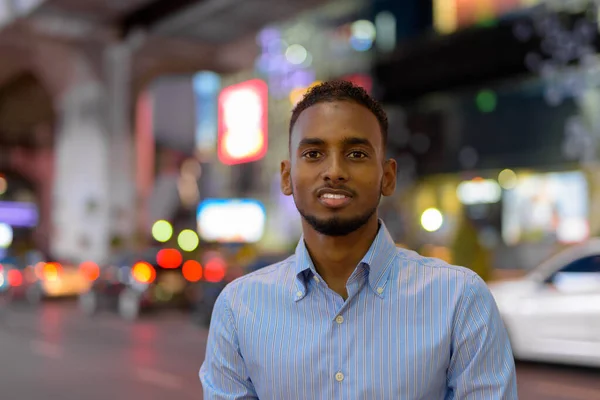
[553, 313]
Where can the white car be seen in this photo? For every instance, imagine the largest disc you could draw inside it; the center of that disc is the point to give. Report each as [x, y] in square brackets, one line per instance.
[553, 313]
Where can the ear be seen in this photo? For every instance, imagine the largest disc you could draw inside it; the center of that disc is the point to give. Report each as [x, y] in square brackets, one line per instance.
[390, 171]
[286, 178]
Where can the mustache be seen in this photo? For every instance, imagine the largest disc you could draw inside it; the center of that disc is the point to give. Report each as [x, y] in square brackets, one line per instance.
[336, 187]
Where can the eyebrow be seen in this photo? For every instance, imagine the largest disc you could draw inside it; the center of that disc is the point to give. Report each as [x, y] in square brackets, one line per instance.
[347, 141]
[356, 141]
[311, 142]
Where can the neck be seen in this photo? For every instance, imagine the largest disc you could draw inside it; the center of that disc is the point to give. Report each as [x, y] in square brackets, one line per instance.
[335, 258]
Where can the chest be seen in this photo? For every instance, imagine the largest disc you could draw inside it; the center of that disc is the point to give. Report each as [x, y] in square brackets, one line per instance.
[368, 348]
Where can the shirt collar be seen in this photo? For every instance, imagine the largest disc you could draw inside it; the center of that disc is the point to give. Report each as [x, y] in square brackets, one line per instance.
[378, 260]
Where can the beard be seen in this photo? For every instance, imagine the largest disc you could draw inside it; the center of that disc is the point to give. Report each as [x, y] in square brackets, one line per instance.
[337, 226]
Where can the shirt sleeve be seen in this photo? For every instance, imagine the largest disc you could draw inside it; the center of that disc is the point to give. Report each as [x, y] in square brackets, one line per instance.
[481, 364]
[224, 375]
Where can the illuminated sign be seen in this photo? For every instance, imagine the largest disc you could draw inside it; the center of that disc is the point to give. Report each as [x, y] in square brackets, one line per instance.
[206, 90]
[450, 15]
[243, 122]
[479, 191]
[231, 220]
[18, 214]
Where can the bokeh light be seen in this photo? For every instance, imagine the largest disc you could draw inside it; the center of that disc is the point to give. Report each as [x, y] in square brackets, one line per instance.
[486, 101]
[188, 240]
[215, 269]
[162, 231]
[169, 258]
[192, 270]
[90, 270]
[507, 179]
[15, 278]
[296, 54]
[52, 271]
[432, 219]
[143, 272]
[6, 235]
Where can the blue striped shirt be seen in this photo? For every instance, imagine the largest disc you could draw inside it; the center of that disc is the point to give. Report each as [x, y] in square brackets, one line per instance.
[411, 328]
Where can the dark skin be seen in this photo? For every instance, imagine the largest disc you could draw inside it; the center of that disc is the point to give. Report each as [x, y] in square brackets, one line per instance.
[338, 145]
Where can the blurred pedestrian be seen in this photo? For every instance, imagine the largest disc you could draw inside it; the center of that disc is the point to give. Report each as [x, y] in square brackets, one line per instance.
[350, 315]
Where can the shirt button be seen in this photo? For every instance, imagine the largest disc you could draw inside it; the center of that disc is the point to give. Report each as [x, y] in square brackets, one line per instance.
[299, 294]
[339, 319]
[379, 290]
[316, 278]
[339, 377]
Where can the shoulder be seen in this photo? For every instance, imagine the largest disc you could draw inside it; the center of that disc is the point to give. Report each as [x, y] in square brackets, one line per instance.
[412, 262]
[451, 281]
[266, 279]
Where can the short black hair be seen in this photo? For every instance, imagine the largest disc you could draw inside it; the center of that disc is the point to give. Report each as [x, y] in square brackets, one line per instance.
[341, 90]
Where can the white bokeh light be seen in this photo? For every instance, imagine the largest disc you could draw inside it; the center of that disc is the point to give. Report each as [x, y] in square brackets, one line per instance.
[432, 219]
[6, 235]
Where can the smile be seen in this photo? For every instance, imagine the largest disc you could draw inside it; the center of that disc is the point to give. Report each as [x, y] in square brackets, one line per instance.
[330, 199]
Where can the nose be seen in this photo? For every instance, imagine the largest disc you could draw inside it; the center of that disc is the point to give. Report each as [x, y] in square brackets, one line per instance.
[335, 170]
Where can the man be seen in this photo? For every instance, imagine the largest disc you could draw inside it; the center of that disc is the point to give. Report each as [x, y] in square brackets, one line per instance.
[350, 315]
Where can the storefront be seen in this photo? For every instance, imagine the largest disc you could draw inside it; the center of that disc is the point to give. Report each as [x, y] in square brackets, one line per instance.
[501, 219]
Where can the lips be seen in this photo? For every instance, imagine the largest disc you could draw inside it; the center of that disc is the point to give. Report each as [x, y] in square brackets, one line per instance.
[334, 198]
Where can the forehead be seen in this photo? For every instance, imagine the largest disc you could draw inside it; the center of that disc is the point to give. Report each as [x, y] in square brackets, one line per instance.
[335, 121]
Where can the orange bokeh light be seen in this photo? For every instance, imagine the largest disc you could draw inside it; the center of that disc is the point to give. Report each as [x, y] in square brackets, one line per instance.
[90, 270]
[143, 272]
[192, 271]
[169, 258]
[51, 271]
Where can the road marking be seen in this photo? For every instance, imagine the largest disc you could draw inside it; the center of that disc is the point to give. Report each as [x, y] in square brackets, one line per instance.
[46, 349]
[158, 378]
[574, 392]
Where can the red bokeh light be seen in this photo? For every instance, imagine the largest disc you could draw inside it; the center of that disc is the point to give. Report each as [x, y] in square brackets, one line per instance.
[192, 271]
[215, 269]
[15, 278]
[169, 258]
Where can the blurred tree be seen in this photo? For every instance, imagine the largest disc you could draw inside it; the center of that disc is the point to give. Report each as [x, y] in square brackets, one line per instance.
[468, 252]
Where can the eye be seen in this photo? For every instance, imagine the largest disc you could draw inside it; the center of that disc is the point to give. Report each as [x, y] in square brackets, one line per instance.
[311, 154]
[357, 154]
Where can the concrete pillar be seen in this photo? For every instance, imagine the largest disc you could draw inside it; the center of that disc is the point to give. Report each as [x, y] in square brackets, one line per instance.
[81, 210]
[94, 190]
[121, 156]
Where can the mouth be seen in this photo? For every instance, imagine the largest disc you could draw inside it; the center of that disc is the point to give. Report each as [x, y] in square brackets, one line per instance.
[331, 198]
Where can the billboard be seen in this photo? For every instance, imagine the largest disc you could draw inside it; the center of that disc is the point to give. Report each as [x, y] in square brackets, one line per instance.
[551, 206]
[243, 122]
[231, 220]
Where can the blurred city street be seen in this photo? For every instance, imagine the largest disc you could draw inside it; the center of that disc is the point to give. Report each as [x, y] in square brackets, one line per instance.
[141, 147]
[53, 353]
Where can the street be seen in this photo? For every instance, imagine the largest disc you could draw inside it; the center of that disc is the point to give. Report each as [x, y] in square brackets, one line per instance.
[54, 353]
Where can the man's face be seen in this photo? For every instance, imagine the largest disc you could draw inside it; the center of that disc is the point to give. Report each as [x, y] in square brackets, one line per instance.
[337, 170]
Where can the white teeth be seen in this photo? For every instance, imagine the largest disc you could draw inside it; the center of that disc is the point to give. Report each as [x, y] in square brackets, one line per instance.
[333, 196]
